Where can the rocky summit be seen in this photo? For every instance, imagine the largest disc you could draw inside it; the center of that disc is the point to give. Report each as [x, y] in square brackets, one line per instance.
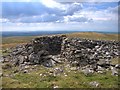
[88, 55]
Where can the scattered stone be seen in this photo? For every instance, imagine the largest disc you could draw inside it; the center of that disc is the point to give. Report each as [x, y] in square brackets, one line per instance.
[16, 71]
[26, 67]
[7, 66]
[25, 71]
[65, 75]
[0, 74]
[94, 84]
[58, 71]
[100, 69]
[55, 87]
[114, 71]
[117, 66]
[40, 74]
[6, 75]
[88, 71]
[73, 69]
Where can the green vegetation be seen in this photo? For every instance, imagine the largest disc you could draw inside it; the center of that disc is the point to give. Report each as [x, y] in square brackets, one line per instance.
[95, 36]
[74, 79]
[8, 42]
[23, 39]
[90, 35]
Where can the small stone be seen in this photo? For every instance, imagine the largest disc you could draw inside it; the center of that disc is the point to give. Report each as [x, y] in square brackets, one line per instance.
[101, 72]
[114, 71]
[15, 71]
[100, 68]
[55, 87]
[0, 74]
[117, 66]
[65, 75]
[73, 68]
[44, 75]
[26, 67]
[88, 71]
[25, 71]
[40, 74]
[94, 84]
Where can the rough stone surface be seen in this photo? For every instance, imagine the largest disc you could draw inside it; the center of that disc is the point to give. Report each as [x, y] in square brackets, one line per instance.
[49, 50]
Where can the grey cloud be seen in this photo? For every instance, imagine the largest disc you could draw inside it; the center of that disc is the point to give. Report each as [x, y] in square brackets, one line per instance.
[37, 12]
[72, 8]
[80, 19]
[37, 19]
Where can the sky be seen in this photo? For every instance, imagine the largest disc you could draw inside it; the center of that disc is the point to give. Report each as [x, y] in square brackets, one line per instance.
[52, 15]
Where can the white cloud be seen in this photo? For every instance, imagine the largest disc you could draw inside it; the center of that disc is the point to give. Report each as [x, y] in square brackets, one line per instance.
[4, 20]
[109, 14]
[65, 8]
[52, 4]
[76, 18]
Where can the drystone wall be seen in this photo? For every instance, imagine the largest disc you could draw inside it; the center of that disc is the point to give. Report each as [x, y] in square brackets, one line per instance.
[52, 44]
[84, 51]
[48, 50]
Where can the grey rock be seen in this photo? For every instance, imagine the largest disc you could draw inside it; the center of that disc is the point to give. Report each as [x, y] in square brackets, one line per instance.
[73, 68]
[58, 71]
[49, 63]
[114, 71]
[117, 66]
[25, 71]
[88, 71]
[94, 84]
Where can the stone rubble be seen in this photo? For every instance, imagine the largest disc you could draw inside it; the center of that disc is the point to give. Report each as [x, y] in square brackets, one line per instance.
[51, 50]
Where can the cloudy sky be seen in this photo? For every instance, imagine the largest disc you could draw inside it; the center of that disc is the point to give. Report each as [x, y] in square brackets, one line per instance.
[30, 15]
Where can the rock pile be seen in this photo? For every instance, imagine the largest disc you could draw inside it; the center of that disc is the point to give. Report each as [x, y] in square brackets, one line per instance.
[44, 50]
[84, 51]
[48, 50]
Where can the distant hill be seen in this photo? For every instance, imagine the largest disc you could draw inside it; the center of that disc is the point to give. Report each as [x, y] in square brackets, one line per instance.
[14, 40]
[37, 33]
[94, 35]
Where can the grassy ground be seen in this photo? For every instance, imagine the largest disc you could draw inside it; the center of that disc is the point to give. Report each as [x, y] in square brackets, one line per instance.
[93, 35]
[74, 79]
